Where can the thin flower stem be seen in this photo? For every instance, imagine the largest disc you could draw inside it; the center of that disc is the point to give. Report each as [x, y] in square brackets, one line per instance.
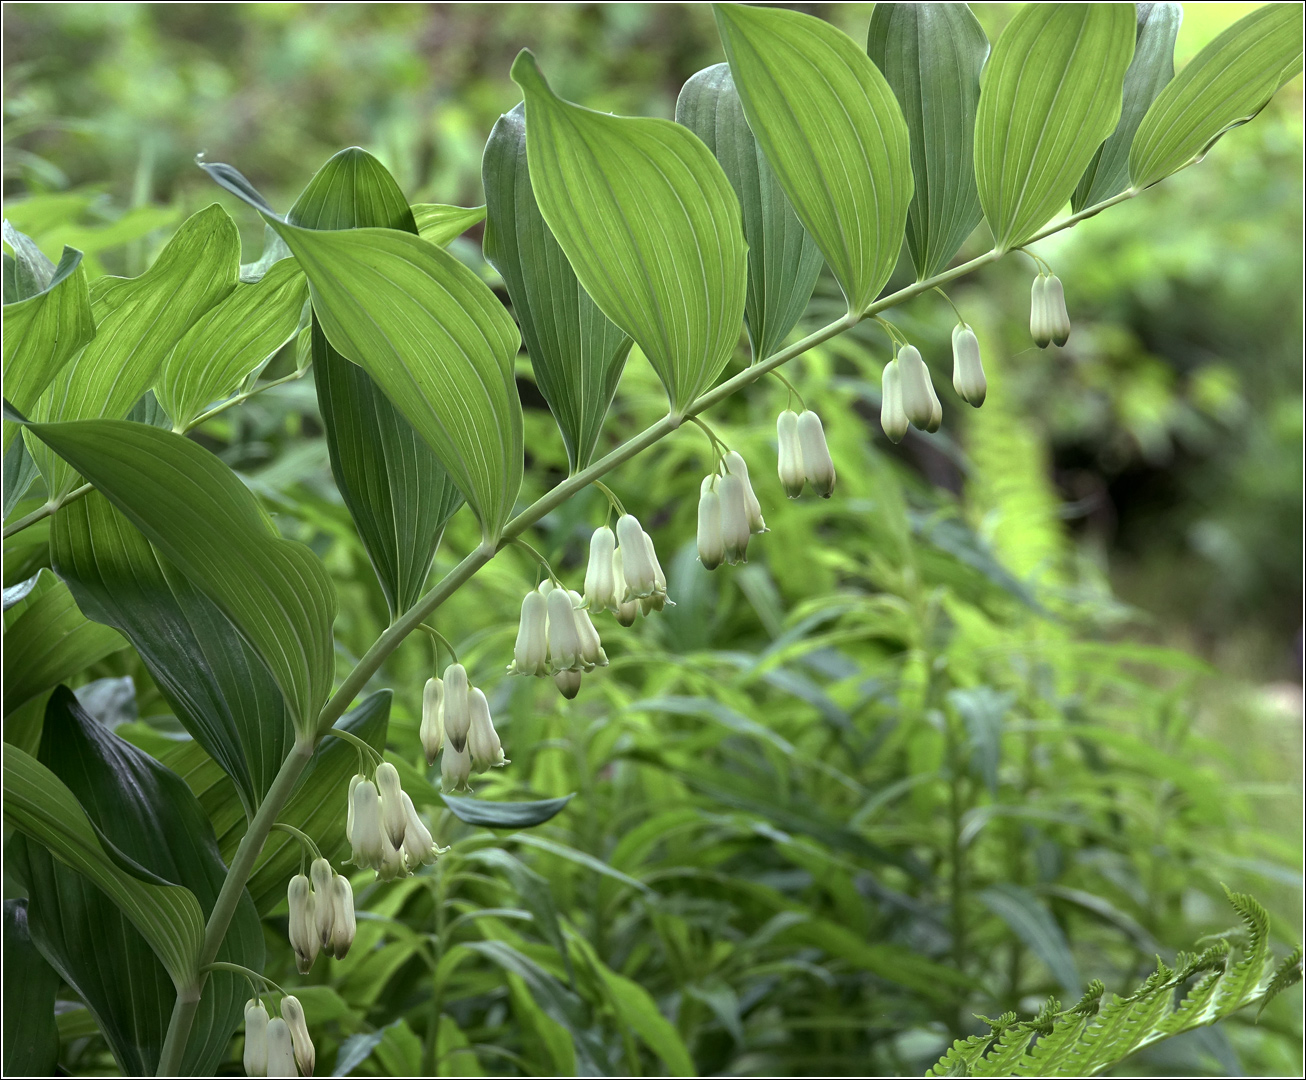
[537, 557]
[895, 335]
[439, 639]
[718, 447]
[305, 841]
[359, 744]
[613, 501]
[240, 969]
[793, 391]
[951, 305]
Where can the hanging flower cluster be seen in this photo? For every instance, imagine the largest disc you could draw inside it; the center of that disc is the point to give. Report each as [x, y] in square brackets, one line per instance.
[383, 828]
[557, 637]
[321, 914]
[624, 575]
[804, 455]
[279, 1046]
[1048, 319]
[907, 395]
[728, 514]
[456, 717]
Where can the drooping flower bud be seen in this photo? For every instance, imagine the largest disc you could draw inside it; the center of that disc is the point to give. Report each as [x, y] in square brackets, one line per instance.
[791, 453]
[817, 464]
[1040, 326]
[456, 716]
[626, 610]
[711, 541]
[367, 835]
[293, 1014]
[737, 466]
[419, 847]
[657, 600]
[320, 874]
[967, 371]
[392, 802]
[455, 768]
[892, 417]
[600, 584]
[483, 741]
[591, 646]
[354, 781]
[568, 683]
[636, 565]
[915, 383]
[303, 925]
[1058, 316]
[432, 729]
[936, 412]
[256, 1038]
[564, 641]
[343, 923]
[531, 654]
[393, 865]
[281, 1049]
[734, 518]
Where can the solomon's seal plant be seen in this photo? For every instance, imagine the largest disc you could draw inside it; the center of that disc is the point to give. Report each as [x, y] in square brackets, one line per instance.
[610, 233]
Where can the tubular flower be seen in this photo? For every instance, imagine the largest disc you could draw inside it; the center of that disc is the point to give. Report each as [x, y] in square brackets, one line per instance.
[419, 847]
[455, 768]
[734, 518]
[967, 371]
[432, 730]
[483, 741]
[281, 1049]
[563, 639]
[392, 803]
[936, 412]
[303, 925]
[1058, 317]
[367, 836]
[343, 923]
[354, 781]
[711, 541]
[737, 466]
[626, 610]
[392, 865]
[657, 600]
[791, 453]
[457, 719]
[530, 656]
[568, 683]
[256, 1038]
[292, 1012]
[591, 647]
[600, 582]
[817, 465]
[636, 563]
[917, 393]
[892, 417]
[1040, 325]
[320, 874]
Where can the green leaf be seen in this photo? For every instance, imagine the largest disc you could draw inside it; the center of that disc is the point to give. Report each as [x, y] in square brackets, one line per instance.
[48, 640]
[1049, 96]
[138, 322]
[28, 271]
[505, 815]
[397, 492]
[1223, 86]
[832, 130]
[206, 522]
[932, 55]
[44, 328]
[144, 814]
[783, 261]
[650, 225]
[233, 340]
[217, 687]
[19, 472]
[31, 1036]
[1150, 70]
[577, 353]
[1031, 921]
[438, 224]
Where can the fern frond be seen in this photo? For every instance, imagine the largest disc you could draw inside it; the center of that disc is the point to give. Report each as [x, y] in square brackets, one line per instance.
[961, 1056]
[1288, 974]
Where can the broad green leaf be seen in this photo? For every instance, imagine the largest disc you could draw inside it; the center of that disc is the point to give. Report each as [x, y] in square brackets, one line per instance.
[832, 130]
[48, 641]
[31, 1037]
[200, 517]
[1049, 96]
[932, 55]
[1031, 921]
[45, 326]
[577, 353]
[138, 322]
[232, 341]
[1149, 71]
[783, 261]
[439, 224]
[650, 225]
[505, 815]
[397, 492]
[19, 472]
[150, 817]
[1223, 86]
[217, 687]
[28, 271]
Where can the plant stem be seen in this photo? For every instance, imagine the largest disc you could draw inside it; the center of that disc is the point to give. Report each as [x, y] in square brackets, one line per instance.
[222, 407]
[42, 512]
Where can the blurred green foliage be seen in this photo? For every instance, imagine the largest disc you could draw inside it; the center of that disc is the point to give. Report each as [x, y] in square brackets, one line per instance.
[933, 751]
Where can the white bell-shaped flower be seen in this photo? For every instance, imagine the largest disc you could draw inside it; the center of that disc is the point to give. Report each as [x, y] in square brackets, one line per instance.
[483, 741]
[367, 834]
[600, 582]
[656, 600]
[281, 1049]
[1040, 326]
[734, 518]
[967, 371]
[432, 729]
[817, 463]
[915, 382]
[568, 683]
[455, 768]
[392, 802]
[419, 847]
[343, 923]
[892, 418]
[303, 924]
[530, 655]
[936, 412]
[320, 875]
[711, 542]
[292, 1012]
[393, 865]
[737, 466]
[354, 781]
[591, 646]
[1058, 316]
[636, 564]
[564, 640]
[457, 718]
[791, 453]
[627, 610]
[256, 1038]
